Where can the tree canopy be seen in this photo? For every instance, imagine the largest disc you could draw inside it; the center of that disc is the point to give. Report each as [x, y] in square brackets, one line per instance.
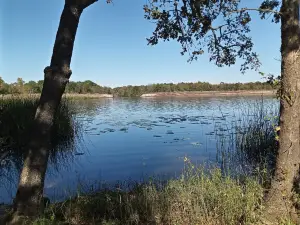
[218, 27]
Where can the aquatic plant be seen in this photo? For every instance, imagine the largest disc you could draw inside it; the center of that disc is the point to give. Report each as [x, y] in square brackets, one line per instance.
[16, 116]
[249, 145]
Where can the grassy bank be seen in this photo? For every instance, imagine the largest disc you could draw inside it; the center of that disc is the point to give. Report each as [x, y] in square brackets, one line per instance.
[197, 198]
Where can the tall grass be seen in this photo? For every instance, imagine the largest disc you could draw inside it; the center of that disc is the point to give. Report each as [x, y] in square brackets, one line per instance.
[16, 119]
[198, 197]
[249, 145]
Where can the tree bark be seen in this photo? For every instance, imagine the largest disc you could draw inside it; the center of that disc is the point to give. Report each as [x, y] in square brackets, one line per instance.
[280, 198]
[30, 190]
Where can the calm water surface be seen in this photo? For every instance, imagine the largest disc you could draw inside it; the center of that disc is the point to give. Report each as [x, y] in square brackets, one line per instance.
[133, 139]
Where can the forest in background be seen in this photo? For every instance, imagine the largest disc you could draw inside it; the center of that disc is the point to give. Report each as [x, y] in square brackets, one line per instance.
[90, 87]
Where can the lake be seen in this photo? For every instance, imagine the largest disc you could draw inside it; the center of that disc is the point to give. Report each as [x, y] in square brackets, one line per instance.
[134, 139]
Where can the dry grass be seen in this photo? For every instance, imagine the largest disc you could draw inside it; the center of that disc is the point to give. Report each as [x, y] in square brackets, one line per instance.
[198, 197]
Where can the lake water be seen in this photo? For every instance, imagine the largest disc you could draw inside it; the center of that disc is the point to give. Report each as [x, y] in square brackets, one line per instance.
[132, 139]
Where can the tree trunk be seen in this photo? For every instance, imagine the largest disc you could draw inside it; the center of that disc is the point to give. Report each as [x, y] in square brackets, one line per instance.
[30, 190]
[280, 198]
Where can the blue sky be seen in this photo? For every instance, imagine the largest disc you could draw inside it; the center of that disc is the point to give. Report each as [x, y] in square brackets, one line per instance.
[111, 47]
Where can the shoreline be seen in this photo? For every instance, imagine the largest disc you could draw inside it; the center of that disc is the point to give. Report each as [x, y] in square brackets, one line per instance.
[209, 93]
[157, 94]
[66, 95]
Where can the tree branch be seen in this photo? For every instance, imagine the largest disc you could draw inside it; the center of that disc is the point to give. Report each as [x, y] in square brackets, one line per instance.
[255, 9]
[218, 27]
[81, 3]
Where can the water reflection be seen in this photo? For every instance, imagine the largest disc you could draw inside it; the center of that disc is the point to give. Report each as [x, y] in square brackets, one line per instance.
[135, 138]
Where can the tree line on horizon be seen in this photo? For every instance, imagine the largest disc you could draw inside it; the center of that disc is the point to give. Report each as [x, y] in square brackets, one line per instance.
[90, 87]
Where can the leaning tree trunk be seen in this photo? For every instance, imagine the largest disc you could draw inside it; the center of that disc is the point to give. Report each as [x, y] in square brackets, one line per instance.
[31, 184]
[280, 198]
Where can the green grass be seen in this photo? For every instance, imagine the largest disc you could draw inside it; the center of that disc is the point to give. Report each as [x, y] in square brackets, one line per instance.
[248, 145]
[198, 197]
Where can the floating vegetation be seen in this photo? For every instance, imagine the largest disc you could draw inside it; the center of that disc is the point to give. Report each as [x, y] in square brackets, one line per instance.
[222, 129]
[109, 129]
[170, 132]
[124, 129]
[79, 153]
[185, 139]
[196, 143]
[204, 122]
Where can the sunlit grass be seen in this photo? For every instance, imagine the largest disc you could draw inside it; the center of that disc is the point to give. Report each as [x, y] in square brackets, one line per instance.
[198, 197]
[248, 145]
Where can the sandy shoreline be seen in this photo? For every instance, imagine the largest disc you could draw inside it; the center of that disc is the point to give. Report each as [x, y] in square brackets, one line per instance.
[209, 93]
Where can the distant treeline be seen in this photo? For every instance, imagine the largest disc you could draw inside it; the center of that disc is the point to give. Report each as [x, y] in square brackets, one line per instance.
[89, 87]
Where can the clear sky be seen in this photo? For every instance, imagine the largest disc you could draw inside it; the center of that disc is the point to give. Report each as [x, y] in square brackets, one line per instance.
[111, 47]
